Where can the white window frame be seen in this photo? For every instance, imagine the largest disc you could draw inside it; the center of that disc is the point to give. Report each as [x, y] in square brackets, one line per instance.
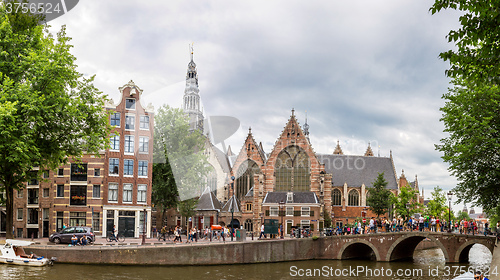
[127, 193]
[143, 125]
[129, 144]
[130, 121]
[134, 106]
[289, 211]
[305, 211]
[22, 214]
[305, 223]
[141, 168]
[125, 169]
[274, 211]
[113, 143]
[142, 191]
[120, 118]
[143, 144]
[113, 192]
[110, 169]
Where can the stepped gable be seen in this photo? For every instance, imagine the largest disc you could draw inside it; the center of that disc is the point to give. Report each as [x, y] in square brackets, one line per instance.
[208, 201]
[250, 151]
[231, 203]
[358, 170]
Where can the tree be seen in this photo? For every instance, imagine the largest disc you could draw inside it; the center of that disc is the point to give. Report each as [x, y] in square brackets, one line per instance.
[437, 205]
[462, 215]
[48, 111]
[379, 196]
[405, 203]
[180, 165]
[470, 114]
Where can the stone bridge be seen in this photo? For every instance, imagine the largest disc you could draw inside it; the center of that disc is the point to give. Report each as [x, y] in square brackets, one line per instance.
[400, 245]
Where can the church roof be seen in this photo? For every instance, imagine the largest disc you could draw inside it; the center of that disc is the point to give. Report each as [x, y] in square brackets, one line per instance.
[358, 170]
[222, 158]
[208, 202]
[298, 197]
[231, 203]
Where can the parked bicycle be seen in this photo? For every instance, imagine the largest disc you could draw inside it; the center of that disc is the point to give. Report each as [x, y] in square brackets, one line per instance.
[118, 238]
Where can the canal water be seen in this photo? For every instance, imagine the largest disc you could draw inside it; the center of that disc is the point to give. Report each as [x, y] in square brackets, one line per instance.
[427, 264]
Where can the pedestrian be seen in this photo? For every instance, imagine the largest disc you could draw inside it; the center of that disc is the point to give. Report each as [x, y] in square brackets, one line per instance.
[154, 232]
[262, 231]
[83, 240]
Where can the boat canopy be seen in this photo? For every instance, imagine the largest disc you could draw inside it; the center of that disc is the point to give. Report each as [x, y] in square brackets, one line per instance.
[18, 243]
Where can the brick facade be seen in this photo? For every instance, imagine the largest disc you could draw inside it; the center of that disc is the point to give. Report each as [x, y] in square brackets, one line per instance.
[78, 192]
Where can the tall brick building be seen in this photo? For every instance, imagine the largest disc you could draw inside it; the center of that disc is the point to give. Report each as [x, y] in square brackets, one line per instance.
[112, 189]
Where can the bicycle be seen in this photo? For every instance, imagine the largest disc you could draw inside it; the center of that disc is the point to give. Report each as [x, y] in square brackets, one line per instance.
[119, 238]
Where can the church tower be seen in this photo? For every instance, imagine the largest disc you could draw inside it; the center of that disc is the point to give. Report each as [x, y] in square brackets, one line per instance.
[191, 102]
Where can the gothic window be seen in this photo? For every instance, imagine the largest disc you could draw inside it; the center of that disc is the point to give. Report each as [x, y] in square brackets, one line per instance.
[248, 225]
[353, 198]
[244, 181]
[292, 170]
[336, 197]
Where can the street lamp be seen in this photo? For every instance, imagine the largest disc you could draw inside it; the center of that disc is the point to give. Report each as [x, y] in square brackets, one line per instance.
[232, 207]
[282, 205]
[450, 194]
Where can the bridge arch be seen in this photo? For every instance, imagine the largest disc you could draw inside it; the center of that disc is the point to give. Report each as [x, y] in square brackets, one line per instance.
[462, 253]
[358, 249]
[404, 247]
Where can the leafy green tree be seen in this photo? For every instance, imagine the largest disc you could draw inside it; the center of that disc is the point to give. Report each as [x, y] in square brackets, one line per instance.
[462, 215]
[405, 202]
[470, 115]
[48, 111]
[180, 166]
[437, 205]
[379, 197]
[164, 193]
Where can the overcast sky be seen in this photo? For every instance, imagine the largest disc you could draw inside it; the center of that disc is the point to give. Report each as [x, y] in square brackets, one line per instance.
[365, 71]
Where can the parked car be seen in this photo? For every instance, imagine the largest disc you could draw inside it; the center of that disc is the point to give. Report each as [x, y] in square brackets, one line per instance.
[64, 236]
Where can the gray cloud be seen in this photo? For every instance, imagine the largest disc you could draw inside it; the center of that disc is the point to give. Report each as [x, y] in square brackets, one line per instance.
[363, 70]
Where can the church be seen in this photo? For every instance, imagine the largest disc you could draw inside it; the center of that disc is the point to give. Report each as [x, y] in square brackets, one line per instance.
[291, 183]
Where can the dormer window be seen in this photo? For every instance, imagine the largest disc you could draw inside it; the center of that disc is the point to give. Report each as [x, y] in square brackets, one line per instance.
[289, 197]
[130, 104]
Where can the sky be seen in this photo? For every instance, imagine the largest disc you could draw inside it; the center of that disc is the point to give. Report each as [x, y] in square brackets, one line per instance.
[364, 71]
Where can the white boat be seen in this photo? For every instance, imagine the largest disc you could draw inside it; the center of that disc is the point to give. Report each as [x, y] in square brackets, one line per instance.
[13, 253]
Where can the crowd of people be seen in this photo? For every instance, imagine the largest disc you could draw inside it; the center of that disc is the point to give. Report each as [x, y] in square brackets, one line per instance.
[422, 223]
[193, 235]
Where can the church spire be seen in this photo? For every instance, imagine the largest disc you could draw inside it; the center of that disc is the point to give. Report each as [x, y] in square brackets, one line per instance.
[191, 101]
[338, 150]
[306, 130]
[369, 152]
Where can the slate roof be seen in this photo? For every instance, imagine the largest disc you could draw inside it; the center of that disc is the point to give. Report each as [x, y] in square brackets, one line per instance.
[208, 202]
[232, 202]
[358, 170]
[222, 158]
[298, 197]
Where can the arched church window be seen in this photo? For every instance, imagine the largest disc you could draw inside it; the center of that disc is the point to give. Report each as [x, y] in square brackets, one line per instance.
[336, 197]
[367, 196]
[292, 170]
[244, 178]
[353, 198]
